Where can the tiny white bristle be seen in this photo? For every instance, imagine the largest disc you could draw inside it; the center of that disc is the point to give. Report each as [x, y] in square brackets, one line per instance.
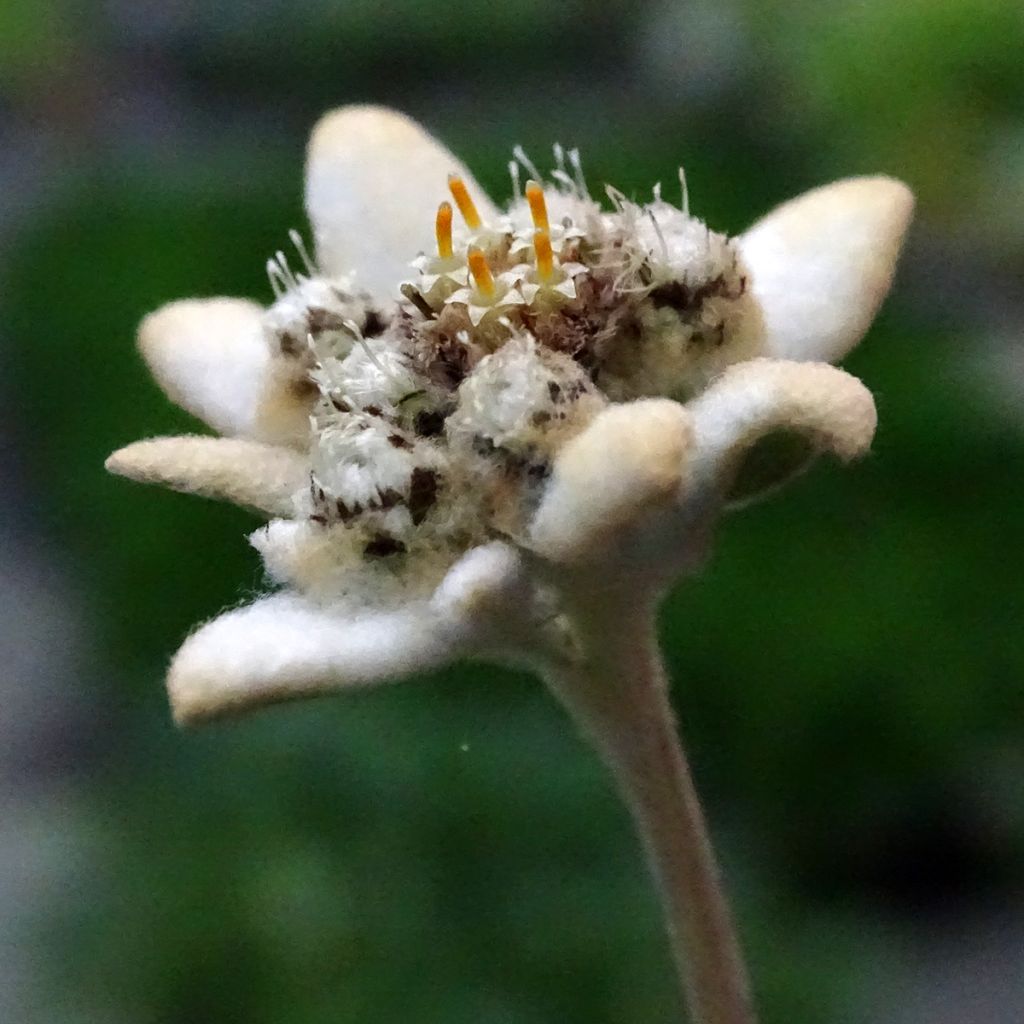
[300, 248]
[520, 154]
[685, 191]
[353, 328]
[277, 282]
[577, 168]
[513, 171]
[563, 179]
[289, 277]
[617, 197]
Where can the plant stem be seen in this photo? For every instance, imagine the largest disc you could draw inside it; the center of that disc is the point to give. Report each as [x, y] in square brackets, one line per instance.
[617, 691]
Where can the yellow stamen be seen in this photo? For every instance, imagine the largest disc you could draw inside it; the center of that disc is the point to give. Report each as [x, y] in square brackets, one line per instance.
[538, 208]
[464, 201]
[545, 260]
[481, 272]
[443, 230]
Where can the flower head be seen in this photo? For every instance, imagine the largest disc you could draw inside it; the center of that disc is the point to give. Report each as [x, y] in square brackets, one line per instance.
[556, 397]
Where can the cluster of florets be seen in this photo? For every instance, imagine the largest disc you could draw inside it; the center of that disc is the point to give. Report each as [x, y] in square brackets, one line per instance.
[435, 420]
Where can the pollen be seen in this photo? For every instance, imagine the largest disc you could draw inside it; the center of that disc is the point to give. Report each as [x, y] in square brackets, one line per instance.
[545, 260]
[464, 201]
[481, 272]
[443, 230]
[538, 207]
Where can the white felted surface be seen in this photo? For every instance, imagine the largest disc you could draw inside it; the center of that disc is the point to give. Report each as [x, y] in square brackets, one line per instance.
[283, 647]
[249, 473]
[629, 458]
[210, 358]
[752, 400]
[820, 265]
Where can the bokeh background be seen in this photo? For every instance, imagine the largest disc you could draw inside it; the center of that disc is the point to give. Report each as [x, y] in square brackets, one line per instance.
[848, 670]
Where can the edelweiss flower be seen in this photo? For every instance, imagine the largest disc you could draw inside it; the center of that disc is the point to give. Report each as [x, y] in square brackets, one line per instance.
[513, 453]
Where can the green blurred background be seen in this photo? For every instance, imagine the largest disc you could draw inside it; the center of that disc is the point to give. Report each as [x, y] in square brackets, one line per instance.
[847, 671]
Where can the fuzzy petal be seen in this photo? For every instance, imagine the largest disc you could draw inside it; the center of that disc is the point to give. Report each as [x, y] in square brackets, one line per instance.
[210, 357]
[741, 419]
[284, 647]
[374, 179]
[821, 264]
[260, 476]
[627, 462]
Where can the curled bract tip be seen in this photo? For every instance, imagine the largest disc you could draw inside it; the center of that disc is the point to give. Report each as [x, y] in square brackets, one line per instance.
[765, 420]
[629, 460]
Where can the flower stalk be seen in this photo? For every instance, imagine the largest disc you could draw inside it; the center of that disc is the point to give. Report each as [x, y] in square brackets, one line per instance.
[617, 692]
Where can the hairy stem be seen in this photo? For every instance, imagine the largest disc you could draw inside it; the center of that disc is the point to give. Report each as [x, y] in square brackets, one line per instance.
[617, 691]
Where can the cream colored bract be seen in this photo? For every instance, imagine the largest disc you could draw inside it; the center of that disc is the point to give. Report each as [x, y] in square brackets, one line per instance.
[460, 422]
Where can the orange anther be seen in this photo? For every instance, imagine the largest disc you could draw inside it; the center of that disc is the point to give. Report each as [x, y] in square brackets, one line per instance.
[464, 201]
[538, 208]
[545, 260]
[481, 271]
[443, 230]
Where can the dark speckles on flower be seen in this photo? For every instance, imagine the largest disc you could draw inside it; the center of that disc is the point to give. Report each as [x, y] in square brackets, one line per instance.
[382, 546]
[423, 489]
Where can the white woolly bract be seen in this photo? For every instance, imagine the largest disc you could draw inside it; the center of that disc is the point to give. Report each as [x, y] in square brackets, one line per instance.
[284, 646]
[209, 357]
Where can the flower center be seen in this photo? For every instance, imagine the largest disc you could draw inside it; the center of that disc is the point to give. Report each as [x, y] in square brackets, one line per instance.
[436, 429]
